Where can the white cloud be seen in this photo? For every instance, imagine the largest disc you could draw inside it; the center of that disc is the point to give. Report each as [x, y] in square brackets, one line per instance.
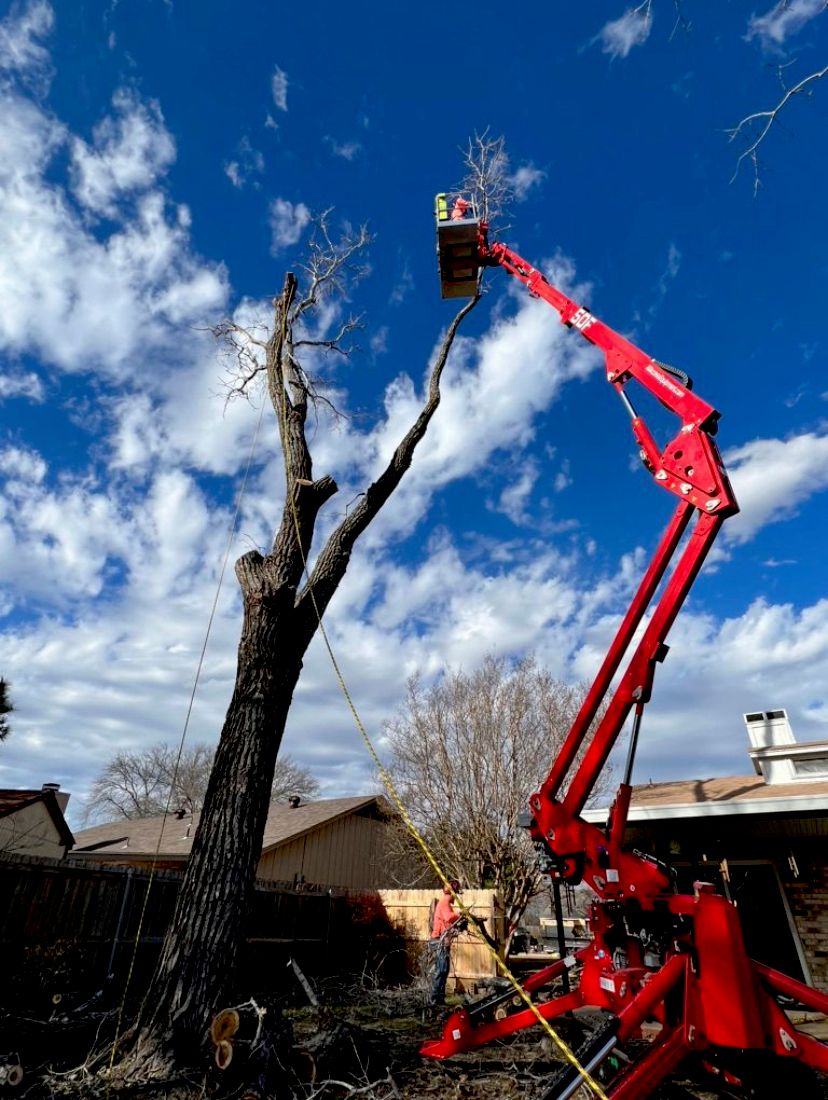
[130, 150]
[487, 405]
[279, 88]
[379, 341]
[525, 179]
[345, 150]
[233, 173]
[563, 478]
[287, 223]
[668, 275]
[514, 497]
[21, 384]
[55, 540]
[84, 301]
[20, 51]
[772, 478]
[19, 462]
[403, 286]
[621, 35]
[248, 164]
[782, 21]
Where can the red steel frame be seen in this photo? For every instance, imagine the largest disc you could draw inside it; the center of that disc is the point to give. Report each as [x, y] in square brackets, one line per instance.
[656, 955]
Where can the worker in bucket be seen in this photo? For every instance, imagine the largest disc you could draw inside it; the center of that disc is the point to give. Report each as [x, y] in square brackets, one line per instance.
[446, 924]
[461, 209]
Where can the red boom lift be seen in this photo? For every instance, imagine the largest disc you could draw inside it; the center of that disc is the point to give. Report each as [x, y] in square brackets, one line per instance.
[657, 956]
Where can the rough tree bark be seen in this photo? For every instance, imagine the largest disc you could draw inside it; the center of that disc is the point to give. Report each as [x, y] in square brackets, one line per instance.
[280, 618]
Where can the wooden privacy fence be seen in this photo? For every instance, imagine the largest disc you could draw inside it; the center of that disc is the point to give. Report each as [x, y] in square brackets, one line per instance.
[471, 959]
[65, 927]
[70, 928]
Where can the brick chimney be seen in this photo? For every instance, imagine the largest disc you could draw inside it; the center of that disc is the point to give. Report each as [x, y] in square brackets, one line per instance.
[62, 797]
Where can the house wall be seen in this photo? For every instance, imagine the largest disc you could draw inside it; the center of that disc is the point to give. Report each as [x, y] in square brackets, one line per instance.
[796, 848]
[808, 899]
[347, 853]
[31, 831]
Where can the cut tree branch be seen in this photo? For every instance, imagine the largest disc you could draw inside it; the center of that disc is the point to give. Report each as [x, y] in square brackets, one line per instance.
[761, 123]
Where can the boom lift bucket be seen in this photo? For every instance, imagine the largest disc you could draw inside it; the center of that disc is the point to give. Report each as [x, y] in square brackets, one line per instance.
[458, 257]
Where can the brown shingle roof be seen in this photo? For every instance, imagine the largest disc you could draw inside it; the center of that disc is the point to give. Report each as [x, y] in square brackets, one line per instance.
[15, 800]
[141, 837]
[12, 801]
[730, 788]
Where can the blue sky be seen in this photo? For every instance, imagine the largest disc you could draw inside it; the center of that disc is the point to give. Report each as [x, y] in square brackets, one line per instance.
[160, 165]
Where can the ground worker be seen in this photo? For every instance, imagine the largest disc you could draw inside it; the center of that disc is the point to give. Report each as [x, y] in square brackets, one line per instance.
[445, 925]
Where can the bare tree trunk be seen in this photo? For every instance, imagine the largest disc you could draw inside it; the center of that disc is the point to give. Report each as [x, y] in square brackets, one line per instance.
[198, 963]
[197, 966]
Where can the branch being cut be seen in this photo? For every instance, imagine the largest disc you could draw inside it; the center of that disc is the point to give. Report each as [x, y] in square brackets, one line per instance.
[761, 122]
[487, 177]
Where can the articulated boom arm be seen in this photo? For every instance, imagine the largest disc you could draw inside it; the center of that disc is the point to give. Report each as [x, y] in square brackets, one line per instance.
[690, 468]
[676, 961]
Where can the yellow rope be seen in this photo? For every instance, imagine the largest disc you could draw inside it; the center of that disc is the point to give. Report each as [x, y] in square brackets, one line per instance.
[386, 778]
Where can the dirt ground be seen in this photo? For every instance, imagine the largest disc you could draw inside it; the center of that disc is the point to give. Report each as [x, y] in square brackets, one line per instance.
[365, 1045]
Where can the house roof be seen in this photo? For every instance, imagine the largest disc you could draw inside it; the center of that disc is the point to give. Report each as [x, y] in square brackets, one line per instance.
[13, 801]
[171, 837]
[722, 796]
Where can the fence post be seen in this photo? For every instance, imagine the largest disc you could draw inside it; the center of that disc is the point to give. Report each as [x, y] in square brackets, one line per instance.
[117, 934]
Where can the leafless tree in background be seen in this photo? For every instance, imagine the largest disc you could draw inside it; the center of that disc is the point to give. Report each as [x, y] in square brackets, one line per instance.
[143, 784]
[466, 754]
[6, 707]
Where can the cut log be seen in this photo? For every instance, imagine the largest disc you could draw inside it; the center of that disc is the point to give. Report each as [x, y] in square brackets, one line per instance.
[224, 1025]
[223, 1055]
[241, 1023]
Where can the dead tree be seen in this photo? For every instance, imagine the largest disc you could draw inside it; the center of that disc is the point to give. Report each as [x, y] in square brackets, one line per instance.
[282, 610]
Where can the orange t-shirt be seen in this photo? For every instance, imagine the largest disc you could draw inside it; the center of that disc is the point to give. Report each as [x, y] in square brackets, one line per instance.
[444, 916]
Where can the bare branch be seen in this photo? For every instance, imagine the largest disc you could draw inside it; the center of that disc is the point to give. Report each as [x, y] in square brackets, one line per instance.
[333, 560]
[487, 177]
[335, 343]
[246, 354]
[330, 268]
[761, 122]
[681, 23]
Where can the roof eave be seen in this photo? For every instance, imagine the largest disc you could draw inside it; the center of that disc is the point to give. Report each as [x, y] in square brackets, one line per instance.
[793, 804]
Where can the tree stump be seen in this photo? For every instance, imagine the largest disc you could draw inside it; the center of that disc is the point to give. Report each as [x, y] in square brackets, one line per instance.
[253, 1050]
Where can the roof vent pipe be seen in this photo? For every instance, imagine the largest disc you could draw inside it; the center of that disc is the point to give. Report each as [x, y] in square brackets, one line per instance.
[294, 801]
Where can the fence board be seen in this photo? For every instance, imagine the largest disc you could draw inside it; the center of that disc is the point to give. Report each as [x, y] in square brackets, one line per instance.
[471, 959]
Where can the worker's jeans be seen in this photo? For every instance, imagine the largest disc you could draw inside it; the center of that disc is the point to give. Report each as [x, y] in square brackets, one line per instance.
[441, 954]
